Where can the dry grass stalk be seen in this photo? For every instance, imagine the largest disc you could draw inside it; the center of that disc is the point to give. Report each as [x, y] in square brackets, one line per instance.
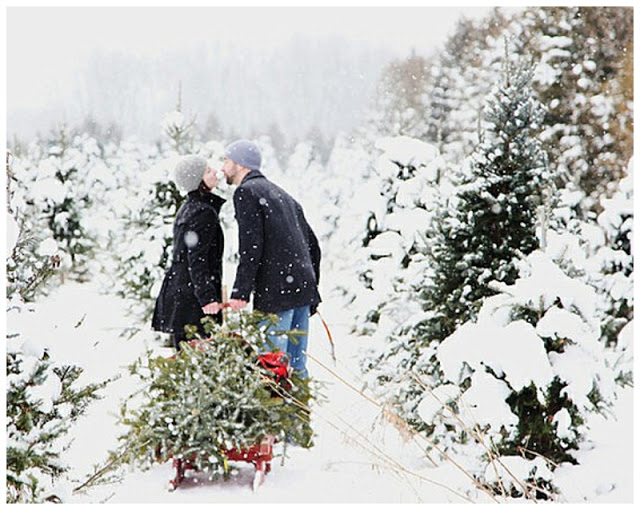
[426, 439]
[479, 437]
[368, 446]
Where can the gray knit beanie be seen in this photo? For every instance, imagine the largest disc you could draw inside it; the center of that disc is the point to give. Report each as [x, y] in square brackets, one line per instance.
[245, 153]
[188, 173]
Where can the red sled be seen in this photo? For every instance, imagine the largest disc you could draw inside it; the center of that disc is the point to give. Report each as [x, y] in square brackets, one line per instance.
[260, 455]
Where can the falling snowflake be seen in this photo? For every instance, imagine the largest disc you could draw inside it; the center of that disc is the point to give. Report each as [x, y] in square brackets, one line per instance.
[190, 239]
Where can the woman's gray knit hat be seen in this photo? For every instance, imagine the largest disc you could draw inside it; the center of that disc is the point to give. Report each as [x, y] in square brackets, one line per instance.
[245, 153]
[188, 173]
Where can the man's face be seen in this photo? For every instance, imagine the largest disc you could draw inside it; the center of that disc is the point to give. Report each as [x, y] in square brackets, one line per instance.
[230, 170]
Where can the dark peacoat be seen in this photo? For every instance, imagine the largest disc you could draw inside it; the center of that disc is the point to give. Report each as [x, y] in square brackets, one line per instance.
[279, 253]
[195, 276]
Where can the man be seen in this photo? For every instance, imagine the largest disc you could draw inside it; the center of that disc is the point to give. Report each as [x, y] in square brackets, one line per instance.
[279, 253]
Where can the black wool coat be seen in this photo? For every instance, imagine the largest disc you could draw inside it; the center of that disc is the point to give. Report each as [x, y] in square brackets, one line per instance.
[279, 252]
[195, 276]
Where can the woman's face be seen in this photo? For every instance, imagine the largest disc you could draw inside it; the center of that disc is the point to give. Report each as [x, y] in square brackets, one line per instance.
[210, 178]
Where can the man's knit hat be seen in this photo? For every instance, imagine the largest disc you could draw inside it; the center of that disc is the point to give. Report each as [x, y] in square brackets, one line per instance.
[188, 173]
[245, 153]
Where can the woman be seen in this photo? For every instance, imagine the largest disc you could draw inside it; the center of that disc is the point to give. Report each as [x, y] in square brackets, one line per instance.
[192, 287]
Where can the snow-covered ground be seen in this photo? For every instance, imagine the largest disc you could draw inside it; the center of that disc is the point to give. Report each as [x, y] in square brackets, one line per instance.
[358, 457]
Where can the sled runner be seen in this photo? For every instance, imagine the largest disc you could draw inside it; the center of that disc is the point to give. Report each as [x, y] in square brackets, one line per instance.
[259, 455]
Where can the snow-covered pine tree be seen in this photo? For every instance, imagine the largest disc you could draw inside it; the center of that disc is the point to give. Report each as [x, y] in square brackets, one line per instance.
[602, 256]
[583, 54]
[142, 244]
[341, 211]
[492, 220]
[334, 207]
[43, 397]
[616, 266]
[461, 77]
[178, 130]
[401, 196]
[305, 171]
[31, 257]
[476, 238]
[58, 187]
[401, 108]
[519, 382]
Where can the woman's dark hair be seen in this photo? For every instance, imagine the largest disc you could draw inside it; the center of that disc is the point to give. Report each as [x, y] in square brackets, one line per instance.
[202, 188]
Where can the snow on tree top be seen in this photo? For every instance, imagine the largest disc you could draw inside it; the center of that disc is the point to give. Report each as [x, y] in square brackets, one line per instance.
[175, 118]
[625, 337]
[546, 281]
[407, 151]
[48, 247]
[486, 344]
[565, 324]
[485, 403]
[547, 42]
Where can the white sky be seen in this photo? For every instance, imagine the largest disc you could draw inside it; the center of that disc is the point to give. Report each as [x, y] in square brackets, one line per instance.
[46, 45]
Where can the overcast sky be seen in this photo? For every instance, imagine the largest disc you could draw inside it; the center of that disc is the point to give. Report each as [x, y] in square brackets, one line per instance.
[48, 48]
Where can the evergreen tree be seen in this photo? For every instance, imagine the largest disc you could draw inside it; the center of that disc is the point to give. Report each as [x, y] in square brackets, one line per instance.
[400, 211]
[616, 258]
[602, 256]
[304, 164]
[476, 238]
[510, 381]
[56, 180]
[180, 131]
[461, 77]
[31, 257]
[584, 53]
[401, 108]
[44, 398]
[143, 261]
[493, 219]
[340, 211]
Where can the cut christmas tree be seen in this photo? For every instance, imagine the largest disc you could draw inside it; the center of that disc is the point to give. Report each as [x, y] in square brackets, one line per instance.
[215, 395]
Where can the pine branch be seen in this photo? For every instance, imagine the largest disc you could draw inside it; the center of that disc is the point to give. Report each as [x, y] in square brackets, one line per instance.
[108, 467]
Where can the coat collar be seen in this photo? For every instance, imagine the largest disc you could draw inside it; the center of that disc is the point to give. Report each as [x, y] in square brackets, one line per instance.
[210, 198]
[253, 174]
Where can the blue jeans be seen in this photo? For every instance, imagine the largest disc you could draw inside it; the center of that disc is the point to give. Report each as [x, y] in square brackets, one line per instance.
[298, 319]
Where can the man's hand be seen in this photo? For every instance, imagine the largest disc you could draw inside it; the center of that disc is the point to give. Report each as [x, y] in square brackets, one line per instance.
[212, 308]
[237, 304]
